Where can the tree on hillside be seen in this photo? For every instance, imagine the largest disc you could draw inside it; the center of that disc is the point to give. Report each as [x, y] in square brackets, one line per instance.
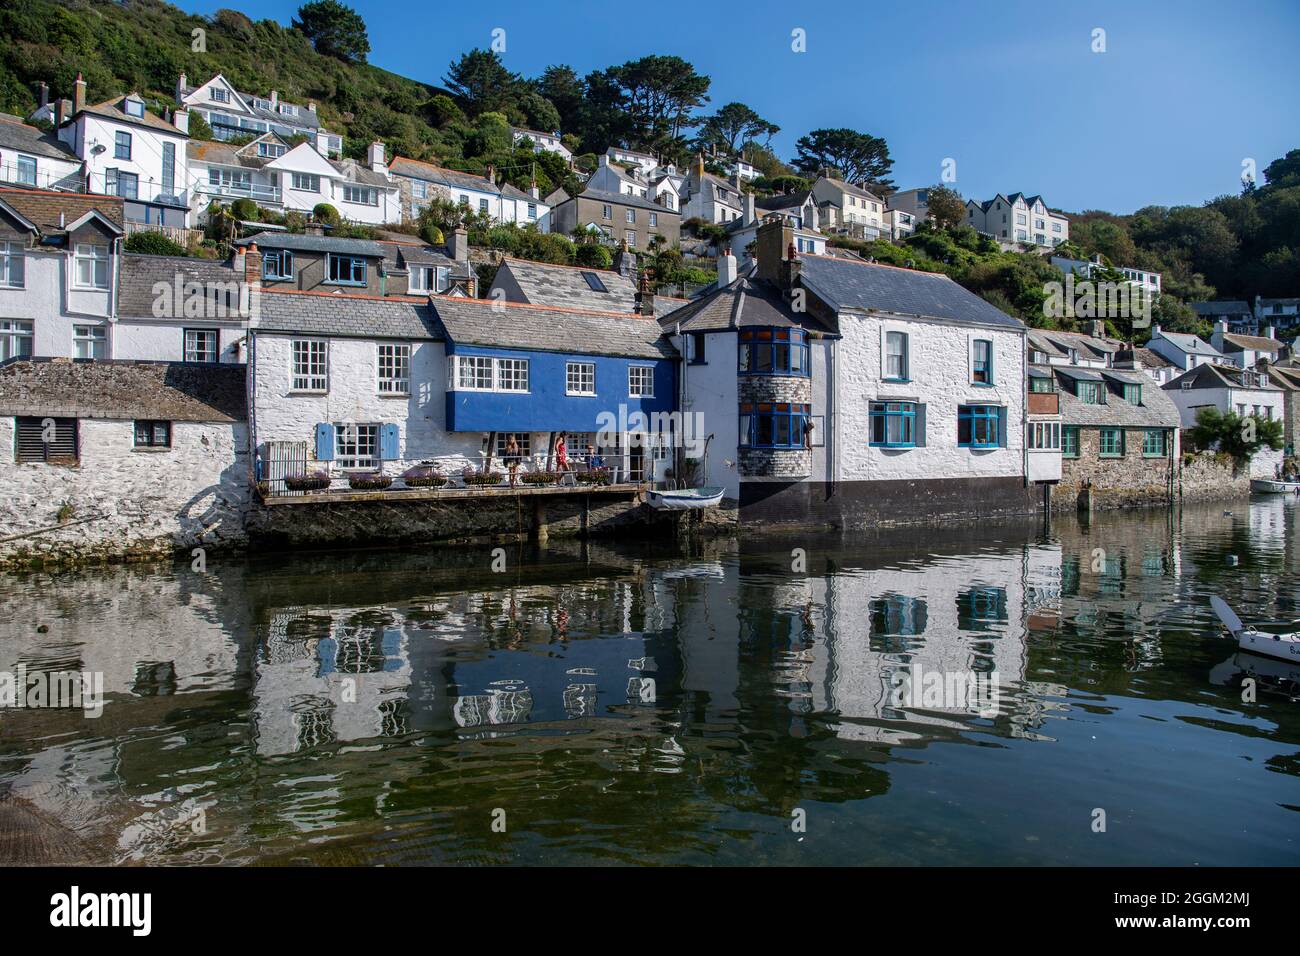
[945, 206]
[563, 88]
[659, 93]
[334, 30]
[860, 158]
[731, 126]
[480, 83]
[1239, 437]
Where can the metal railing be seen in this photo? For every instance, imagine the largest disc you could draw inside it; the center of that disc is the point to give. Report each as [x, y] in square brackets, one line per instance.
[24, 177]
[255, 191]
[278, 461]
[146, 190]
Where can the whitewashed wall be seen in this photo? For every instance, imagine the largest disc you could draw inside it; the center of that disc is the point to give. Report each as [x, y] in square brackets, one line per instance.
[940, 372]
[196, 492]
[49, 301]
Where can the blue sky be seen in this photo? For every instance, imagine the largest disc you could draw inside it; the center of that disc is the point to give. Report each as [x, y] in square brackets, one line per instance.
[1010, 89]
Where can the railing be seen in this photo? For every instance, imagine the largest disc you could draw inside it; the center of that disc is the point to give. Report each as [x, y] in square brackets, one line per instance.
[146, 191]
[25, 178]
[277, 461]
[255, 191]
[177, 234]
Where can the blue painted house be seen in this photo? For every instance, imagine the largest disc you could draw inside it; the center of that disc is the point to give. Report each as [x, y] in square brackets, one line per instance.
[524, 368]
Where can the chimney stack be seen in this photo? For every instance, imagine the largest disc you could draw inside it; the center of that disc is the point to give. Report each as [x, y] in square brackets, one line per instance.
[624, 261]
[181, 119]
[275, 99]
[645, 297]
[252, 265]
[458, 248]
[43, 89]
[492, 174]
[181, 83]
[378, 162]
[1268, 331]
[726, 268]
[774, 249]
[78, 95]
[750, 214]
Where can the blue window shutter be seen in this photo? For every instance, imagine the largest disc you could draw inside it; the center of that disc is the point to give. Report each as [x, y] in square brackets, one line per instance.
[388, 443]
[918, 426]
[1002, 427]
[324, 442]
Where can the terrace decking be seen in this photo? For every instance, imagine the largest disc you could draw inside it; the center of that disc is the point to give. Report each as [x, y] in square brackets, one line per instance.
[445, 493]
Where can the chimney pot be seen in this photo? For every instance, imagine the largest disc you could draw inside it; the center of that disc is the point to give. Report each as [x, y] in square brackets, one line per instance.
[252, 265]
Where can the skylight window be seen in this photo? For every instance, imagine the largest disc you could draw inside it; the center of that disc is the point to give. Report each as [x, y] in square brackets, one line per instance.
[593, 280]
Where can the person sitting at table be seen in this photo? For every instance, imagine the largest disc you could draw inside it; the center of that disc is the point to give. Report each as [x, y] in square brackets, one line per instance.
[594, 461]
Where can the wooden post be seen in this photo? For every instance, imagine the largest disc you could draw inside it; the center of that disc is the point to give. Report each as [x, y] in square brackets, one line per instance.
[492, 447]
[540, 530]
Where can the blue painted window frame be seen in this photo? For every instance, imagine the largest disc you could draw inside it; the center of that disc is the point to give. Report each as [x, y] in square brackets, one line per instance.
[784, 349]
[982, 367]
[281, 256]
[354, 261]
[793, 415]
[973, 415]
[882, 414]
[121, 145]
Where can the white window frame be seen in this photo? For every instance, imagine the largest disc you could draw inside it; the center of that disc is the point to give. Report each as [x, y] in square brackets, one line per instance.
[356, 446]
[468, 371]
[11, 252]
[190, 345]
[369, 195]
[903, 356]
[297, 179]
[639, 379]
[580, 378]
[89, 338]
[93, 256]
[309, 366]
[13, 332]
[393, 368]
[511, 374]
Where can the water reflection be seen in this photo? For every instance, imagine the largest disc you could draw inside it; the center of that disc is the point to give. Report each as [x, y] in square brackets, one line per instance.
[650, 705]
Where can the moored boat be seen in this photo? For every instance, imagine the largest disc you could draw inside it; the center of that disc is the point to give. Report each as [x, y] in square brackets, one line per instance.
[1285, 645]
[685, 498]
[1273, 486]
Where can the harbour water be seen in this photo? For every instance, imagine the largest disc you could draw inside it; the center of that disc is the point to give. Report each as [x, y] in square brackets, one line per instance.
[992, 694]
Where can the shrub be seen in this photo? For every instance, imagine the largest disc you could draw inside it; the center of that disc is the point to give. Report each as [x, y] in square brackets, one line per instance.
[593, 256]
[245, 209]
[154, 244]
[324, 212]
[596, 476]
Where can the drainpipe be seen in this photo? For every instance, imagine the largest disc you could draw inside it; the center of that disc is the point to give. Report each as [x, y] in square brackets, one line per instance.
[832, 436]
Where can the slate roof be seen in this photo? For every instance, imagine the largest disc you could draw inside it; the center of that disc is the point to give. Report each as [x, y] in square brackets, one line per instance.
[1081, 341]
[784, 201]
[1257, 343]
[1144, 357]
[534, 328]
[44, 207]
[1221, 307]
[20, 137]
[139, 273]
[218, 152]
[416, 169]
[1190, 344]
[348, 316]
[304, 118]
[173, 391]
[747, 301]
[1041, 343]
[852, 189]
[112, 109]
[1212, 376]
[844, 284]
[549, 284]
[1156, 411]
[303, 242]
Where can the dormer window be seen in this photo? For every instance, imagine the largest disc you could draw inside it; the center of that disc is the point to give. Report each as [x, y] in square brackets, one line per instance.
[288, 109]
[218, 95]
[134, 108]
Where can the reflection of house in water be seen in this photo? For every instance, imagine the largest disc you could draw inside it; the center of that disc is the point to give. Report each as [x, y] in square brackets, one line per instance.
[330, 676]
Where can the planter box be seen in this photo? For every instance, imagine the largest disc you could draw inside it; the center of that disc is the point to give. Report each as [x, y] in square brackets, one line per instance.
[425, 481]
[307, 482]
[369, 482]
[483, 481]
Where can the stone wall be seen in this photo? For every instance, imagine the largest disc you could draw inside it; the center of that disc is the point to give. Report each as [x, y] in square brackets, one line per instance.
[1206, 476]
[1131, 480]
[123, 502]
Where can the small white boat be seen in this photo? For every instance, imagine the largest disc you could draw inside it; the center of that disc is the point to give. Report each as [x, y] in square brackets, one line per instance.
[685, 498]
[1285, 645]
[1273, 486]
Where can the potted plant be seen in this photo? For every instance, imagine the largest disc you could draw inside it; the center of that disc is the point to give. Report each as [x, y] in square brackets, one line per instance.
[423, 476]
[314, 479]
[595, 476]
[481, 478]
[540, 477]
[369, 481]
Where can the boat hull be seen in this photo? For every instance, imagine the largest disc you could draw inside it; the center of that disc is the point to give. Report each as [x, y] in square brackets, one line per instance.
[1271, 486]
[1283, 646]
[687, 499]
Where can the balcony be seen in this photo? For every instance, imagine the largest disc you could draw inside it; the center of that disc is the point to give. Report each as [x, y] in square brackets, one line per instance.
[259, 193]
[25, 177]
[142, 190]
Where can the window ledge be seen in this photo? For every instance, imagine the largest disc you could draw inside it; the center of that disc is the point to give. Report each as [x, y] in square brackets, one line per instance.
[393, 394]
[308, 391]
[985, 384]
[150, 449]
